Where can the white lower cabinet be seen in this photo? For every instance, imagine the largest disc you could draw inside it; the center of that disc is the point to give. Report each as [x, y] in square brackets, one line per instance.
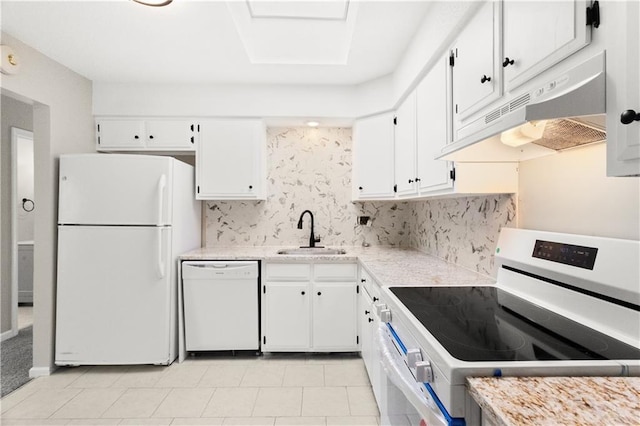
[368, 325]
[309, 307]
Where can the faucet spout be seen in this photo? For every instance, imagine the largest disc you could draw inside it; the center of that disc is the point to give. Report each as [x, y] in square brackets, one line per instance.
[312, 237]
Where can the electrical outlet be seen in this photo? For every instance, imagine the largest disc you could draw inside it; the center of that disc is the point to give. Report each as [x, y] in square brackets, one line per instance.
[364, 220]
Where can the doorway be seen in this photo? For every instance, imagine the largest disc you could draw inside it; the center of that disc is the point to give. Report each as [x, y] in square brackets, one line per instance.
[24, 205]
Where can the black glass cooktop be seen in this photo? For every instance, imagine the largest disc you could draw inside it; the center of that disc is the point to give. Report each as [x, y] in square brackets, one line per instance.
[489, 324]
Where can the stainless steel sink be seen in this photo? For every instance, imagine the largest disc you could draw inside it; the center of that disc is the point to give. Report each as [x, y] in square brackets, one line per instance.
[312, 251]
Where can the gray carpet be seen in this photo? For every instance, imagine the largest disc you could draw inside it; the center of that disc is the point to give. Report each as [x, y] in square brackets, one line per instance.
[16, 360]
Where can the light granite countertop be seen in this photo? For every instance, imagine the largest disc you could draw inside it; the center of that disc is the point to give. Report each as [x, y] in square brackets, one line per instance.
[584, 401]
[389, 266]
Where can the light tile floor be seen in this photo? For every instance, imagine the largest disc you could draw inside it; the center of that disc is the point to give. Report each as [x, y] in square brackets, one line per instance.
[25, 316]
[279, 389]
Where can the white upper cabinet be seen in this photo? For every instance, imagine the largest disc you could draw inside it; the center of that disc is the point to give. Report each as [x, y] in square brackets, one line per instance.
[146, 134]
[373, 157]
[230, 160]
[623, 92]
[405, 147]
[432, 130]
[476, 70]
[538, 35]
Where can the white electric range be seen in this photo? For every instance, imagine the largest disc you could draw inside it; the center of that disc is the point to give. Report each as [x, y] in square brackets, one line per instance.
[563, 305]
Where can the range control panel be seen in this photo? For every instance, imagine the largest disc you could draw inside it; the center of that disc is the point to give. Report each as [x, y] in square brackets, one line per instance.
[569, 254]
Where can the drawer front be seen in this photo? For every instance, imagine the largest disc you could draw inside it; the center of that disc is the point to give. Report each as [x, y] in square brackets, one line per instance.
[288, 272]
[369, 284]
[335, 272]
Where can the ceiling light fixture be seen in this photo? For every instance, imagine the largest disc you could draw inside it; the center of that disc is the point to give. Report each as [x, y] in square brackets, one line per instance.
[313, 123]
[154, 3]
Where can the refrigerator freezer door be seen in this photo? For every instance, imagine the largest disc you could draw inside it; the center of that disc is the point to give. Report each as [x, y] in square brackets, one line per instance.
[114, 295]
[115, 189]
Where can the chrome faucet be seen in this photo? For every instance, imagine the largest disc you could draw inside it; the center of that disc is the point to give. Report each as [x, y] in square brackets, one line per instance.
[312, 238]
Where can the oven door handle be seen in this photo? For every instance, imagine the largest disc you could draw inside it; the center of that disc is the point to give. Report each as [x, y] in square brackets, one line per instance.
[402, 378]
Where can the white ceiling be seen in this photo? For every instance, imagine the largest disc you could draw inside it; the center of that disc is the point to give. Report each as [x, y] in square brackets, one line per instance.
[246, 42]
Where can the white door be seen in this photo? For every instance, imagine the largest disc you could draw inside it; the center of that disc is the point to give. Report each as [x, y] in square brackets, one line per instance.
[535, 37]
[121, 134]
[286, 316]
[432, 130]
[171, 134]
[114, 291]
[229, 159]
[334, 316]
[476, 78]
[373, 157]
[115, 189]
[405, 147]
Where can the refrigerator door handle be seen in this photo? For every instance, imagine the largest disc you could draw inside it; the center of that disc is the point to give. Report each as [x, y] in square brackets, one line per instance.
[162, 184]
[161, 266]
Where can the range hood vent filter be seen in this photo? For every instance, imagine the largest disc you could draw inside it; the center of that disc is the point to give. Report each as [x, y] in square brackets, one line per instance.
[567, 133]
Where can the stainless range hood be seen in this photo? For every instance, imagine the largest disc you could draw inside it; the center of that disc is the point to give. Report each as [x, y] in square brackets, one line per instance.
[548, 116]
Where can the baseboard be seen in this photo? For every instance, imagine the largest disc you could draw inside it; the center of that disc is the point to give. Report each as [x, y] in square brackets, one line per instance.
[8, 334]
[40, 371]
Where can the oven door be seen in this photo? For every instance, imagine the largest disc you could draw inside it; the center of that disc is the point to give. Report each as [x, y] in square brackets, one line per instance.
[406, 402]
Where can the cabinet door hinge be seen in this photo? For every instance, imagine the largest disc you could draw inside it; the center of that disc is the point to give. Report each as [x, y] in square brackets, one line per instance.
[192, 127]
[452, 174]
[358, 289]
[593, 14]
[395, 188]
[452, 60]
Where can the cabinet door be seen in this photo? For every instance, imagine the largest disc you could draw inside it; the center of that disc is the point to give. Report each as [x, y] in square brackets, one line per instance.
[476, 76]
[120, 134]
[230, 159]
[405, 147]
[432, 131]
[536, 37]
[365, 317]
[286, 316]
[373, 157]
[623, 91]
[171, 134]
[334, 316]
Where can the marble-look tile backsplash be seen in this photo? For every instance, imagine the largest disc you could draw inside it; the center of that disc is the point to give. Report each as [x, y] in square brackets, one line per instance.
[463, 231]
[307, 169]
[311, 169]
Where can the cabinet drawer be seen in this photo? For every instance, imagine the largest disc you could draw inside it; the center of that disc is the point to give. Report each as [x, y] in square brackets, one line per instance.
[288, 272]
[334, 272]
[370, 285]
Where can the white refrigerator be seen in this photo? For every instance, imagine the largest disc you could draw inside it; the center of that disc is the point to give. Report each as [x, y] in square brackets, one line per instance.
[122, 221]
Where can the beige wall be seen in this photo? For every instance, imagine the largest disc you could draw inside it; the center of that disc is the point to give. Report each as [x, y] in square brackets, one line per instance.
[570, 192]
[14, 114]
[62, 123]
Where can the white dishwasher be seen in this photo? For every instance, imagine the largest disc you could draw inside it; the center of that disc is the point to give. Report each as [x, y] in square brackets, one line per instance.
[220, 305]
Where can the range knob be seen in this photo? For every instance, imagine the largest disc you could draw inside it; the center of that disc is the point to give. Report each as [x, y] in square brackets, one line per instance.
[424, 372]
[413, 357]
[385, 315]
